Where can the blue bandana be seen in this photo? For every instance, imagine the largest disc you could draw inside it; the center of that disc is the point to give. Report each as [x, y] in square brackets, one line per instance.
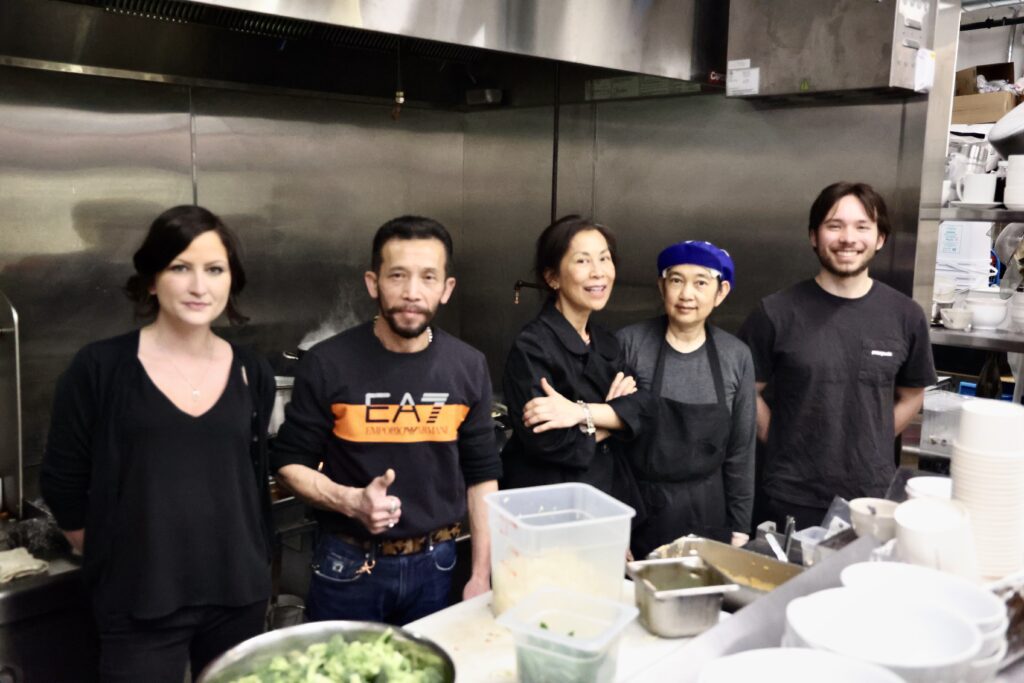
[698, 254]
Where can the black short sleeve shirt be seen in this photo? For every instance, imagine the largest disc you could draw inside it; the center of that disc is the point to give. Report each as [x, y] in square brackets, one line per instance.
[832, 366]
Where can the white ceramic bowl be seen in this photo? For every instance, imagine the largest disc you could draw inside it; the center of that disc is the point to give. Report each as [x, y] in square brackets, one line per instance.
[919, 641]
[986, 315]
[930, 487]
[968, 599]
[984, 669]
[873, 517]
[987, 425]
[936, 533]
[796, 665]
[955, 318]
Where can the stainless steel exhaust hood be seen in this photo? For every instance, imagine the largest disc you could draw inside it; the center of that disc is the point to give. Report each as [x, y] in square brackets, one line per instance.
[672, 38]
[444, 52]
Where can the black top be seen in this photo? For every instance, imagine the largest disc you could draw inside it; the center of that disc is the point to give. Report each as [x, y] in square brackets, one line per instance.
[832, 365]
[189, 484]
[362, 409]
[548, 346]
[151, 484]
[688, 378]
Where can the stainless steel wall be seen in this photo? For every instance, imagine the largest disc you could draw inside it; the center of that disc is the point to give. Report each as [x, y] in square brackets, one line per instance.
[88, 162]
[740, 174]
[306, 182]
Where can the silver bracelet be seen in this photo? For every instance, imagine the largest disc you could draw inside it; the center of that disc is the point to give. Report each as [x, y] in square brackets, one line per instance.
[589, 429]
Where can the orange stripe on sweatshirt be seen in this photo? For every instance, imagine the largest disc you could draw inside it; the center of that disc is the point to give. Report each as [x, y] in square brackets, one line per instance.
[390, 423]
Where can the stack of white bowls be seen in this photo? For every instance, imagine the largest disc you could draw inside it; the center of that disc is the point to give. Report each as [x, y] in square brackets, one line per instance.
[987, 309]
[977, 605]
[988, 478]
[918, 640]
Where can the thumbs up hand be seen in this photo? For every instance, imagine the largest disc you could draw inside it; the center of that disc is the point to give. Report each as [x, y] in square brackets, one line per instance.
[377, 510]
[551, 411]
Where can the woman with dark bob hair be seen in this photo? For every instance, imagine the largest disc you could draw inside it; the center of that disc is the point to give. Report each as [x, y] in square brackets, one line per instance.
[566, 382]
[156, 463]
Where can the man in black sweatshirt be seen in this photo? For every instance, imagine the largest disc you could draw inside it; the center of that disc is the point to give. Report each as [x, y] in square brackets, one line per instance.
[399, 414]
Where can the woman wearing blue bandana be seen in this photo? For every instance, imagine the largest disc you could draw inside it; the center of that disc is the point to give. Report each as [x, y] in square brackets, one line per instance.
[695, 460]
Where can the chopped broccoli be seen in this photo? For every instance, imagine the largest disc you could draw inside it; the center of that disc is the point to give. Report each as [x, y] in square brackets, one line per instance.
[376, 660]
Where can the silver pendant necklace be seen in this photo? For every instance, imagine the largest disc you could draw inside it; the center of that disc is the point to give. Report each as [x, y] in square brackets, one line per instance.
[202, 379]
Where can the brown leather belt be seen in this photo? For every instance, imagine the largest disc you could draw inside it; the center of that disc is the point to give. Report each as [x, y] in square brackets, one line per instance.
[403, 546]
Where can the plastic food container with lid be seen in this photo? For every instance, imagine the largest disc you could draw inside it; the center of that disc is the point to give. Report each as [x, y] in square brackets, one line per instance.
[558, 536]
[563, 637]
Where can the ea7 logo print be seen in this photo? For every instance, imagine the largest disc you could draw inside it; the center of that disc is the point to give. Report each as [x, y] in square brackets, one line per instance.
[382, 412]
[379, 419]
[883, 354]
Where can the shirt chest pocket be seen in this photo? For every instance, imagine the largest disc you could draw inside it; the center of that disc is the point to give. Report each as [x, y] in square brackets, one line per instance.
[880, 360]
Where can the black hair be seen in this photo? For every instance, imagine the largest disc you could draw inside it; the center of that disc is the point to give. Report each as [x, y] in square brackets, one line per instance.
[411, 228]
[169, 235]
[553, 244]
[872, 202]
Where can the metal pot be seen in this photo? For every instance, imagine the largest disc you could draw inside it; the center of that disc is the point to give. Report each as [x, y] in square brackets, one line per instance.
[244, 658]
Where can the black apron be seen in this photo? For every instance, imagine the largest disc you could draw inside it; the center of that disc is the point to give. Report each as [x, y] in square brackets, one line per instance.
[678, 460]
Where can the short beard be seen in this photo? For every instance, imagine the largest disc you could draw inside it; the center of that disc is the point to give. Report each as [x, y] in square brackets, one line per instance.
[842, 273]
[405, 332]
[827, 265]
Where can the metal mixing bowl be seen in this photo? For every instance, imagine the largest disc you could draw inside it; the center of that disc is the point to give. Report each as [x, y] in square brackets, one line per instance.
[244, 657]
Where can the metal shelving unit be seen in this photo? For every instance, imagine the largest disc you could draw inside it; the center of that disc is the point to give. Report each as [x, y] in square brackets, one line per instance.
[935, 213]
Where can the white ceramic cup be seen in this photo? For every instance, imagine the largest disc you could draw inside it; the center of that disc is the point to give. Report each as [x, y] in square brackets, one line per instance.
[936, 533]
[976, 188]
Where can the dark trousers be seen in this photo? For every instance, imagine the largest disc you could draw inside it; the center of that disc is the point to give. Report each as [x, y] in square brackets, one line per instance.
[776, 510]
[158, 650]
[399, 589]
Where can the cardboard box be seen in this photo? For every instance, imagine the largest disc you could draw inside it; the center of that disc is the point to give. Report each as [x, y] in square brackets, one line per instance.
[985, 108]
[967, 79]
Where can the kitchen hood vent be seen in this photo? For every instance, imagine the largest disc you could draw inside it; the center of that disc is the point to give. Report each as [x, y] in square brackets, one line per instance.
[680, 39]
[284, 28]
[811, 48]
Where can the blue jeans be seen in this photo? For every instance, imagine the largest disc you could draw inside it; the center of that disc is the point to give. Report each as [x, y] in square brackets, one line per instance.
[399, 589]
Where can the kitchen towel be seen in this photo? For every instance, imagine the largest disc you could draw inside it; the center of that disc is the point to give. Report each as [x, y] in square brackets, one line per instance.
[19, 562]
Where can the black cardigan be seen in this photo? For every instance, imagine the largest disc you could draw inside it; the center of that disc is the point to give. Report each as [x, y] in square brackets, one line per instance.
[549, 347]
[81, 467]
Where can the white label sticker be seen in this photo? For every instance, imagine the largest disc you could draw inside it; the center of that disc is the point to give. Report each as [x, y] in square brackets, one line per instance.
[924, 71]
[738, 64]
[740, 82]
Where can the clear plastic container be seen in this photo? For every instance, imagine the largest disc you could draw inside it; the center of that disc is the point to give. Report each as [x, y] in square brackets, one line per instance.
[566, 637]
[941, 420]
[810, 544]
[558, 536]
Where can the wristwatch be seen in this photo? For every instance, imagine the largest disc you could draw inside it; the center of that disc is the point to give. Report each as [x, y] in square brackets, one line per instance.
[588, 428]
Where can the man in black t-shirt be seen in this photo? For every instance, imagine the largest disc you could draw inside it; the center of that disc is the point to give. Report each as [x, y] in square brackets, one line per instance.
[846, 360]
[399, 415]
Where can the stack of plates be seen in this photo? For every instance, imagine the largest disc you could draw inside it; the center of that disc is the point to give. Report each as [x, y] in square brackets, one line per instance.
[979, 606]
[919, 641]
[988, 478]
[794, 666]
